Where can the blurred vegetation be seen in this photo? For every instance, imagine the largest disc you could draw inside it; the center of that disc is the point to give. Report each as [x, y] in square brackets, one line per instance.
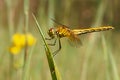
[96, 59]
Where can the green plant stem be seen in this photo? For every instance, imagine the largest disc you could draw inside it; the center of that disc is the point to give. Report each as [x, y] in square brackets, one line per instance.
[26, 55]
[11, 31]
[111, 69]
[50, 59]
[26, 11]
[26, 72]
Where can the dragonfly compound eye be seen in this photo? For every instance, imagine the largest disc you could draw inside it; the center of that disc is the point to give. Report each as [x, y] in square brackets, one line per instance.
[51, 32]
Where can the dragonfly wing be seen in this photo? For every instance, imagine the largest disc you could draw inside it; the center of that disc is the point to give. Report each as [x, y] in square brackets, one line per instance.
[59, 23]
[74, 41]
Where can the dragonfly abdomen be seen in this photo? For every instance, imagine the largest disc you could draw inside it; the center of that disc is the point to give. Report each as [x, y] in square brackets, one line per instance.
[90, 30]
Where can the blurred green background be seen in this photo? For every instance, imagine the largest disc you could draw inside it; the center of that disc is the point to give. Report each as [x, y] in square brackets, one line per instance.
[96, 59]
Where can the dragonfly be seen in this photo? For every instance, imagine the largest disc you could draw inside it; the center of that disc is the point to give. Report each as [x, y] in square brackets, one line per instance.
[62, 31]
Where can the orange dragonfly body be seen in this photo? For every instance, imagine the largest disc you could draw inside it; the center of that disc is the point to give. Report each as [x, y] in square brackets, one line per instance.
[72, 34]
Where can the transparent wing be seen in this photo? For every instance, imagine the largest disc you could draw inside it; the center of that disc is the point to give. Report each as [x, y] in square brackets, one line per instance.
[58, 23]
[74, 40]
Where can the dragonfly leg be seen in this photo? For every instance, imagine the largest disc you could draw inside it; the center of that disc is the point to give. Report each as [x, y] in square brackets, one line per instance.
[48, 38]
[53, 44]
[54, 53]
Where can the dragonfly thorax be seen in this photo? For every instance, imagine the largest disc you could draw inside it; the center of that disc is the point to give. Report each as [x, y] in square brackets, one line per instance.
[51, 32]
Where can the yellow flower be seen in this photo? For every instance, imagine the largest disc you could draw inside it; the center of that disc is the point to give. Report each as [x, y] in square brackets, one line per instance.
[30, 39]
[21, 39]
[15, 50]
[18, 40]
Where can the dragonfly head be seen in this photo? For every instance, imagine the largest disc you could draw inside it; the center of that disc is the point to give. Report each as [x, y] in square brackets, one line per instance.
[51, 32]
